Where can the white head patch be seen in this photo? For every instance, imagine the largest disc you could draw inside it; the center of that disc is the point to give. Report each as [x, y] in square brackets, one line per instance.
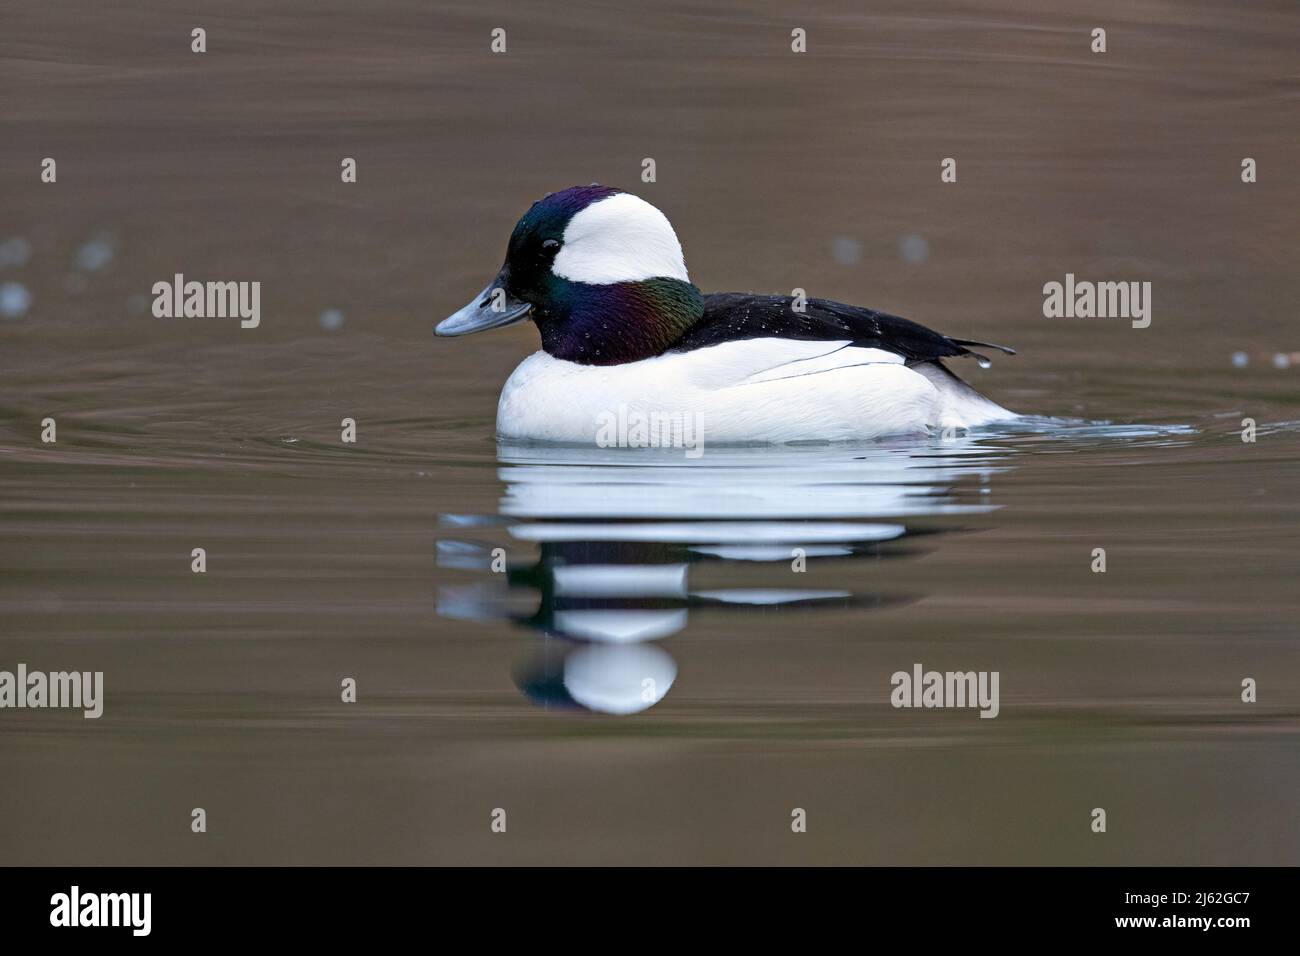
[619, 239]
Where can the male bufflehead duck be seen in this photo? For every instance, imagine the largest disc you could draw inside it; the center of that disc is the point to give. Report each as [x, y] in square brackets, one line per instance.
[625, 332]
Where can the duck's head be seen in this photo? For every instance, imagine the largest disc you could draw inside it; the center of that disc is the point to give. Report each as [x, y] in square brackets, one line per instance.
[598, 270]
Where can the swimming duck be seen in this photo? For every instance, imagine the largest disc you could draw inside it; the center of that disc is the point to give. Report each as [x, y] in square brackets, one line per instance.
[625, 332]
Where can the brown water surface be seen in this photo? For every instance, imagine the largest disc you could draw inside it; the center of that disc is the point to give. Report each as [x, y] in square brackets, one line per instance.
[524, 690]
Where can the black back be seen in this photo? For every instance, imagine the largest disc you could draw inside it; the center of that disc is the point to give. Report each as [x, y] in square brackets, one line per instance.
[735, 316]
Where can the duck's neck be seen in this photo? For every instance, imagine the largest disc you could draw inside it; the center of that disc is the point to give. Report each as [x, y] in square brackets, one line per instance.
[616, 323]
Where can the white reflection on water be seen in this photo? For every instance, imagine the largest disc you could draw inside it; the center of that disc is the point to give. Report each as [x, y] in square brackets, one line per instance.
[617, 533]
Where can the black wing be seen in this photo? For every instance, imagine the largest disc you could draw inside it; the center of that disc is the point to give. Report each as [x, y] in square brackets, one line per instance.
[735, 316]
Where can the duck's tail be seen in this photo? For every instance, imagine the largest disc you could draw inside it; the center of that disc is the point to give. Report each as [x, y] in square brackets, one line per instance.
[962, 405]
[984, 360]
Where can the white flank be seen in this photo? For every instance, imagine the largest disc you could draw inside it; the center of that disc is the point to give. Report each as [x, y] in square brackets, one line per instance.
[769, 390]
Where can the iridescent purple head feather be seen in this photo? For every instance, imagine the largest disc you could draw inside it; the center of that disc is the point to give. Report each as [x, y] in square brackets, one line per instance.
[599, 271]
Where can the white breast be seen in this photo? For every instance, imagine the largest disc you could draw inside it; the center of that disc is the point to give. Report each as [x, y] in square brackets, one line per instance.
[766, 390]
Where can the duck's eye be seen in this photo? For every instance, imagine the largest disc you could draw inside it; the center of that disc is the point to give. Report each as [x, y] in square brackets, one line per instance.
[550, 246]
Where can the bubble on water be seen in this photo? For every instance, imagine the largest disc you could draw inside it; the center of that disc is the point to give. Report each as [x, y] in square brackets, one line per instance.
[1240, 359]
[1281, 360]
[846, 250]
[96, 254]
[914, 248]
[15, 300]
[74, 283]
[331, 320]
[14, 252]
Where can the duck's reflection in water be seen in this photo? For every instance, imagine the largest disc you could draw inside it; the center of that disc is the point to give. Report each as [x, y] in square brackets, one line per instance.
[618, 532]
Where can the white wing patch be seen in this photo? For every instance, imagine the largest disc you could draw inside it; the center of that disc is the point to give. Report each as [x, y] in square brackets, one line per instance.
[844, 356]
[753, 361]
